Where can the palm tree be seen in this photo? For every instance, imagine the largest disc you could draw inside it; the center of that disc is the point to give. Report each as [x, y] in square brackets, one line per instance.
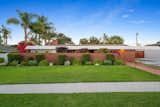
[42, 29]
[24, 20]
[104, 39]
[1, 41]
[5, 34]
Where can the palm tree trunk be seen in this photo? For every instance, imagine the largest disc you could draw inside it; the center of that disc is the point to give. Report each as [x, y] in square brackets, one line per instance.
[6, 41]
[39, 40]
[25, 34]
[45, 41]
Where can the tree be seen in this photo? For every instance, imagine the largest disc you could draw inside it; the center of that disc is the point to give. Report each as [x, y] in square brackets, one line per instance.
[116, 40]
[1, 40]
[24, 20]
[63, 39]
[42, 30]
[84, 41]
[104, 39]
[93, 40]
[5, 32]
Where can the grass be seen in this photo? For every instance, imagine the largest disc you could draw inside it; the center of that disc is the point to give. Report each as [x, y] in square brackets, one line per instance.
[81, 100]
[58, 74]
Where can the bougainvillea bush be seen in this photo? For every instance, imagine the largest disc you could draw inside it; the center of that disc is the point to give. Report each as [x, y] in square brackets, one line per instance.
[22, 46]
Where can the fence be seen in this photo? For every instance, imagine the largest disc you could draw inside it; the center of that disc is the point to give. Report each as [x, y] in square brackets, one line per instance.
[4, 55]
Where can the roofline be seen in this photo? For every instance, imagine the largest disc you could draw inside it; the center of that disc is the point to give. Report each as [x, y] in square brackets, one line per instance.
[78, 47]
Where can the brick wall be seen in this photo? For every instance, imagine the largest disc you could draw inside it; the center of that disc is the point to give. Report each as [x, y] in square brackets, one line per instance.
[53, 56]
[128, 55]
[139, 54]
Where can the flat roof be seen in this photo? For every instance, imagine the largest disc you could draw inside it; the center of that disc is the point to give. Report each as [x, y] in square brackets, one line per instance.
[78, 47]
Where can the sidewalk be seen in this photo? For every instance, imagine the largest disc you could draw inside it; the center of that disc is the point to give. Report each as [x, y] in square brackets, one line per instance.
[81, 87]
[143, 67]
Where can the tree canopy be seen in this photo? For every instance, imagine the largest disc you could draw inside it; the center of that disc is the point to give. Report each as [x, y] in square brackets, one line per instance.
[4, 35]
[115, 40]
[105, 39]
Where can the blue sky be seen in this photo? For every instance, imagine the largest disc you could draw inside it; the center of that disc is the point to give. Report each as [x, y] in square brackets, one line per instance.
[84, 18]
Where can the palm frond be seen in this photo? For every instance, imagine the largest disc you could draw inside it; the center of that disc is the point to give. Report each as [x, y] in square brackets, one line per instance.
[13, 21]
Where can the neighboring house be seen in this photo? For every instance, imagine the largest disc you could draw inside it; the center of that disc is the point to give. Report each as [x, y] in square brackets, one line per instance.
[156, 44]
[7, 49]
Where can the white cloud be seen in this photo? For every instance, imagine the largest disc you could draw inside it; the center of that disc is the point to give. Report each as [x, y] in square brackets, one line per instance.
[131, 10]
[125, 15]
[137, 21]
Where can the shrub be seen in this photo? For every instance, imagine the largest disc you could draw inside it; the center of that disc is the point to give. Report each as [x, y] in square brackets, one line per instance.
[10, 57]
[24, 63]
[61, 59]
[107, 62]
[67, 63]
[85, 58]
[119, 62]
[39, 57]
[43, 63]
[30, 58]
[103, 50]
[98, 62]
[76, 62]
[88, 63]
[13, 63]
[110, 57]
[71, 59]
[14, 57]
[32, 63]
[1, 60]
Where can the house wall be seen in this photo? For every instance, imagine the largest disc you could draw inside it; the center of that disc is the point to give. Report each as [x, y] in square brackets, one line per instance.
[126, 56]
[54, 57]
[129, 55]
[139, 54]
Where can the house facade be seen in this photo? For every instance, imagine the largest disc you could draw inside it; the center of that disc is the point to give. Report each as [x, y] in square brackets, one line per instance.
[127, 53]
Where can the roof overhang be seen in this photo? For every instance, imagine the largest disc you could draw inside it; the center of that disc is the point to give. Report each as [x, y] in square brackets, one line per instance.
[89, 47]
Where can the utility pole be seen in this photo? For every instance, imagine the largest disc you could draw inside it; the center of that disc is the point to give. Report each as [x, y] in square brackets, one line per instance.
[137, 44]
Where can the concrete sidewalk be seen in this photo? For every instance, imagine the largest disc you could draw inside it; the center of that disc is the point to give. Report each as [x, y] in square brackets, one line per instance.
[81, 87]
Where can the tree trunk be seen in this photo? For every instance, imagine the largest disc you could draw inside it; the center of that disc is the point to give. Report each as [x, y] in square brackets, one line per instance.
[25, 34]
[6, 41]
[39, 40]
[45, 41]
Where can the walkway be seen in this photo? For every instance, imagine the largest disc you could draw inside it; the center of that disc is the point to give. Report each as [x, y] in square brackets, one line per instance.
[143, 67]
[81, 87]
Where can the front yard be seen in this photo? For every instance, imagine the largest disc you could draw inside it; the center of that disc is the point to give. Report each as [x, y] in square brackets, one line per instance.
[81, 100]
[63, 74]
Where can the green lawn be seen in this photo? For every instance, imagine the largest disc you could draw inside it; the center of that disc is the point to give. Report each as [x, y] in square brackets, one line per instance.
[81, 100]
[11, 75]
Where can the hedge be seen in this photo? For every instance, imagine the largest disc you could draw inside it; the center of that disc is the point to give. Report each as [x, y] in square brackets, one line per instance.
[14, 57]
[85, 58]
[110, 57]
[39, 57]
[1, 60]
[61, 59]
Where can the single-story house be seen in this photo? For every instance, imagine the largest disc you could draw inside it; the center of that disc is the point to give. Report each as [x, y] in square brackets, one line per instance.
[129, 53]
